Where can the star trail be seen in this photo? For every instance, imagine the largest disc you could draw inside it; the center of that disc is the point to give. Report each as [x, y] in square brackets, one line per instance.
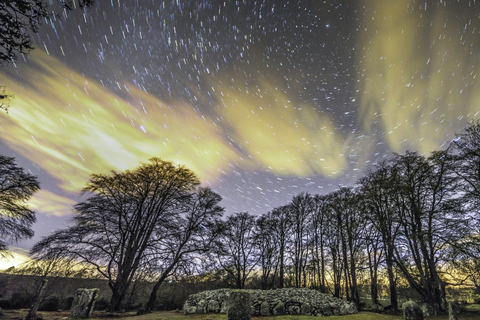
[262, 99]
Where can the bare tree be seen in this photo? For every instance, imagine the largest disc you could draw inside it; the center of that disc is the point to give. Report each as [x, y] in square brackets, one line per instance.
[114, 227]
[378, 189]
[300, 208]
[16, 188]
[430, 217]
[194, 231]
[267, 246]
[236, 254]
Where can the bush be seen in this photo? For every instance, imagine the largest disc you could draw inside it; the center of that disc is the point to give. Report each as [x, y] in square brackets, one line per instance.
[67, 304]
[101, 304]
[51, 303]
[20, 300]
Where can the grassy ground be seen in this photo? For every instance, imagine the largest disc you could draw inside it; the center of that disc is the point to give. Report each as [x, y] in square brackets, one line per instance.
[172, 315]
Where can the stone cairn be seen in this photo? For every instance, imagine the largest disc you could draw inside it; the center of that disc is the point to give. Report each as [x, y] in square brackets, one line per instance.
[412, 311]
[294, 301]
[83, 302]
[239, 305]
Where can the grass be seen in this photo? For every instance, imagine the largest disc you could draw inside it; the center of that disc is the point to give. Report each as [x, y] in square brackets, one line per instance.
[175, 315]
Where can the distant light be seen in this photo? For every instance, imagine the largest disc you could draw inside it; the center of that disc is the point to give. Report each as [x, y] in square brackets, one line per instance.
[327, 25]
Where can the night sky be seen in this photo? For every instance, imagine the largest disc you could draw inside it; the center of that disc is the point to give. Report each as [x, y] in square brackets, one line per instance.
[262, 99]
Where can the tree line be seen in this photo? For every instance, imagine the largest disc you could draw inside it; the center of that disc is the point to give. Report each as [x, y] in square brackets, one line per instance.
[410, 217]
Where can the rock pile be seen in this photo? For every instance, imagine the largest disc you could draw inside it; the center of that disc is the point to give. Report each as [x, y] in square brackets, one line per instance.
[272, 302]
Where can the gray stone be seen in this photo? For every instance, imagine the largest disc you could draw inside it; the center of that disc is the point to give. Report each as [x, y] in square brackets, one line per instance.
[427, 310]
[240, 305]
[83, 303]
[293, 310]
[189, 310]
[453, 310]
[279, 309]
[224, 308]
[412, 311]
[305, 308]
[213, 306]
[202, 306]
[1, 312]
[265, 309]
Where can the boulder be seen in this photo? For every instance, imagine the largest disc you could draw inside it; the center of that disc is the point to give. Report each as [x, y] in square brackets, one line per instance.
[427, 310]
[240, 305]
[412, 311]
[213, 306]
[83, 302]
[279, 309]
[265, 309]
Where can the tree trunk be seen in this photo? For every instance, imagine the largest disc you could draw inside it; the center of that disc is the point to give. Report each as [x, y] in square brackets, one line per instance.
[118, 294]
[392, 284]
[32, 313]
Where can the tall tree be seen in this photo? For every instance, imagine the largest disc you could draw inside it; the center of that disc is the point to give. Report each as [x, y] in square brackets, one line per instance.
[194, 231]
[236, 249]
[378, 189]
[282, 229]
[115, 226]
[430, 217]
[265, 239]
[318, 228]
[301, 208]
[16, 188]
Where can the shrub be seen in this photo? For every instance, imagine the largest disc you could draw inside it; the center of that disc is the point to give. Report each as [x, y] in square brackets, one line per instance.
[51, 303]
[67, 304]
[101, 304]
[20, 300]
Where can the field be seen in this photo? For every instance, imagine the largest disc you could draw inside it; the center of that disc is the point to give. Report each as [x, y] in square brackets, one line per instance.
[175, 315]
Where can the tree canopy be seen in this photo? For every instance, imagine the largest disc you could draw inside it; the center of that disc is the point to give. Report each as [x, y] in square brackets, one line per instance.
[16, 188]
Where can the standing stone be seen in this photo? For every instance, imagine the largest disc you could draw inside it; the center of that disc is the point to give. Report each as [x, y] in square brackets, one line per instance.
[83, 302]
[412, 311]
[1, 313]
[264, 309]
[453, 311]
[279, 309]
[239, 303]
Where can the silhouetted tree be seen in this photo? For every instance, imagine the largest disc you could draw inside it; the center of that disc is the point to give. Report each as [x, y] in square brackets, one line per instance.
[19, 20]
[115, 226]
[265, 239]
[16, 188]
[318, 228]
[378, 189]
[236, 249]
[300, 210]
[430, 217]
[282, 229]
[193, 231]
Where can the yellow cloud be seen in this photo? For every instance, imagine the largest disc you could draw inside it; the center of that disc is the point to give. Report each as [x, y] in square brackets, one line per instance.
[50, 203]
[16, 257]
[71, 126]
[284, 138]
[417, 72]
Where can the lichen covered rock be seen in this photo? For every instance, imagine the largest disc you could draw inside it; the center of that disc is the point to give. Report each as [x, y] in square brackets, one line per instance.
[273, 302]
